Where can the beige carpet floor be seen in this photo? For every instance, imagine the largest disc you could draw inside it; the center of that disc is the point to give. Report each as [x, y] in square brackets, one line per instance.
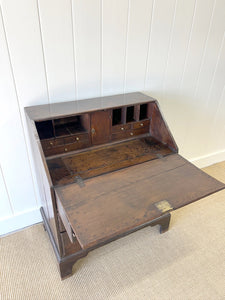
[187, 262]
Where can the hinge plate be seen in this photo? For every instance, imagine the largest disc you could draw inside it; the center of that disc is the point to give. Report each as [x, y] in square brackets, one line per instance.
[79, 181]
[163, 206]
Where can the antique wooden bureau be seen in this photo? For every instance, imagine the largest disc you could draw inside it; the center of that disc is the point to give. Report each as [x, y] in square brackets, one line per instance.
[107, 167]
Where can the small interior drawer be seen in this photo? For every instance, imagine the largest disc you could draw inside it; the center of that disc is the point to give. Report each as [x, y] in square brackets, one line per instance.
[140, 131]
[121, 127]
[76, 138]
[122, 134]
[67, 147]
[141, 124]
[49, 143]
[129, 133]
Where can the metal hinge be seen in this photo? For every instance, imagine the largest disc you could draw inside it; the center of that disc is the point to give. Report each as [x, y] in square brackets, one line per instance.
[163, 206]
[79, 181]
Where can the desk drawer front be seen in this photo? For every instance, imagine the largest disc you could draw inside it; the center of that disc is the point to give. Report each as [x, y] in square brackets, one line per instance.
[65, 221]
[48, 144]
[76, 138]
[67, 147]
[60, 223]
[141, 124]
[129, 133]
[121, 127]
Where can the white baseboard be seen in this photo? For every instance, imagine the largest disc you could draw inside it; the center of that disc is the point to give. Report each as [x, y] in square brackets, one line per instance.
[210, 159]
[20, 221]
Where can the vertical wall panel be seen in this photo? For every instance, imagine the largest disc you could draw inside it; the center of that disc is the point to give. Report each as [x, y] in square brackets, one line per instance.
[188, 83]
[23, 35]
[196, 47]
[205, 47]
[13, 152]
[214, 125]
[114, 30]
[57, 31]
[219, 124]
[208, 99]
[5, 209]
[172, 104]
[25, 48]
[179, 44]
[87, 45]
[137, 44]
[162, 20]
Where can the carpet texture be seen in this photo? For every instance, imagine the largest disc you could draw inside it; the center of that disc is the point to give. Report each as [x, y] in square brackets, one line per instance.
[187, 262]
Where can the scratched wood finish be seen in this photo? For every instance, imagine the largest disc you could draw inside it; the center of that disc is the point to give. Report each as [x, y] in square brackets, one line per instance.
[126, 170]
[64, 109]
[109, 205]
[160, 129]
[63, 170]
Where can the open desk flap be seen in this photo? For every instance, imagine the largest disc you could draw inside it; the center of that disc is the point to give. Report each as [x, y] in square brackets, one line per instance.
[108, 206]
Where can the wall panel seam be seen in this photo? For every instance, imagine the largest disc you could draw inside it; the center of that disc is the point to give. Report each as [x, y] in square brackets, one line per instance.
[214, 73]
[149, 43]
[187, 49]
[74, 48]
[218, 106]
[169, 50]
[18, 104]
[204, 51]
[7, 192]
[126, 47]
[43, 52]
[101, 48]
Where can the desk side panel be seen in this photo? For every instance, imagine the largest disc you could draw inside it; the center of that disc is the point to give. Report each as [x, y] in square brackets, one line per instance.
[160, 130]
[43, 180]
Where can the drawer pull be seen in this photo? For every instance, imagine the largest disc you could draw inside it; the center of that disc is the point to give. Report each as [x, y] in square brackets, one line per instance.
[122, 128]
[131, 133]
[141, 124]
[77, 138]
[65, 149]
[51, 143]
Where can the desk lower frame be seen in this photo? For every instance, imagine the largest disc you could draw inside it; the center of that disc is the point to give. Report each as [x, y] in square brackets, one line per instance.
[66, 263]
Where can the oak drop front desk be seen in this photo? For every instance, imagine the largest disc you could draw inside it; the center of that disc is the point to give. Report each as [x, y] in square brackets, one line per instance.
[107, 167]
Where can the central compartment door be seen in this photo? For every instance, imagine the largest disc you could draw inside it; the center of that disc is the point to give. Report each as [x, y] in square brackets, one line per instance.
[101, 127]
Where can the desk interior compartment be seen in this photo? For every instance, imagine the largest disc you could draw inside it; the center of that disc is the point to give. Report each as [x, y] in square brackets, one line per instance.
[45, 129]
[71, 125]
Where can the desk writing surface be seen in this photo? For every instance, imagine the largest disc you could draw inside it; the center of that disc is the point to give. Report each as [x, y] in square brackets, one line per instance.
[110, 205]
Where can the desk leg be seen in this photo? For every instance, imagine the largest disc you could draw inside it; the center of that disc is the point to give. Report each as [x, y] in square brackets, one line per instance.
[163, 222]
[65, 268]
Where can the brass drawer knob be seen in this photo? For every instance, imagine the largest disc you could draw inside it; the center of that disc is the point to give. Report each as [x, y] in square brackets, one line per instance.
[122, 128]
[51, 143]
[141, 124]
[131, 133]
[77, 138]
[65, 149]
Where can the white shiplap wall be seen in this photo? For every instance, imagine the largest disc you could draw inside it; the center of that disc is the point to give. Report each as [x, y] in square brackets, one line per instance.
[60, 50]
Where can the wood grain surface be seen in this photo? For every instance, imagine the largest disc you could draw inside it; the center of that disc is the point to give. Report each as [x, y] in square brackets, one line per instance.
[63, 170]
[110, 205]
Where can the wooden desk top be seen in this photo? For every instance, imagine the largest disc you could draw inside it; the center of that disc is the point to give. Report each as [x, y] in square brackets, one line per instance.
[111, 205]
[63, 109]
